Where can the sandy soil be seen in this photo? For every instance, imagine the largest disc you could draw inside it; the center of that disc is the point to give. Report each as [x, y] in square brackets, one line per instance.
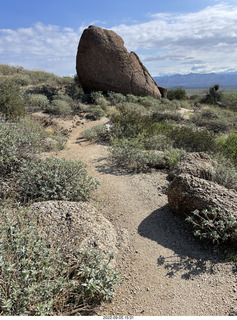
[165, 271]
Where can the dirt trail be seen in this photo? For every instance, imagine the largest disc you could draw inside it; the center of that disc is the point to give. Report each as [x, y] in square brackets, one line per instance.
[164, 270]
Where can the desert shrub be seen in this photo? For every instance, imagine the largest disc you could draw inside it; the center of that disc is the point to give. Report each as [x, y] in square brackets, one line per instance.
[130, 154]
[228, 147]
[225, 172]
[11, 101]
[79, 107]
[98, 98]
[31, 274]
[63, 97]
[37, 102]
[7, 70]
[54, 179]
[19, 142]
[129, 124]
[95, 113]
[22, 141]
[46, 90]
[216, 124]
[149, 102]
[73, 87]
[99, 132]
[229, 101]
[176, 94]
[35, 279]
[174, 155]
[213, 119]
[191, 140]
[213, 225]
[132, 107]
[116, 98]
[21, 79]
[59, 107]
[39, 76]
[158, 142]
[167, 115]
[97, 277]
[213, 96]
[132, 98]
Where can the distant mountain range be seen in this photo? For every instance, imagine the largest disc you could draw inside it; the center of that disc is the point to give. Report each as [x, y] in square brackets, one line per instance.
[197, 80]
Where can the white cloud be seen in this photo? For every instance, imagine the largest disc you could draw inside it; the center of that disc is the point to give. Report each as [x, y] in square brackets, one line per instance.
[168, 43]
[209, 35]
[43, 47]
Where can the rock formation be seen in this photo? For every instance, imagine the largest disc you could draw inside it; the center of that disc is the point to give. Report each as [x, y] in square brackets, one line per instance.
[73, 226]
[197, 164]
[187, 193]
[104, 64]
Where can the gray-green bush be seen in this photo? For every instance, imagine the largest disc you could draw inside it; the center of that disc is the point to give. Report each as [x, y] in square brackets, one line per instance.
[11, 101]
[35, 279]
[214, 225]
[54, 179]
[18, 142]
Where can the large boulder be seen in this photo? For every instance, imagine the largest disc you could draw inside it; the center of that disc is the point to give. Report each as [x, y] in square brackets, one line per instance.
[104, 64]
[187, 193]
[73, 226]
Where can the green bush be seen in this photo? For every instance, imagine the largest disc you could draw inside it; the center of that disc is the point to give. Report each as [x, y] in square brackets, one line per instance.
[213, 225]
[97, 98]
[116, 98]
[132, 98]
[213, 119]
[21, 79]
[7, 70]
[59, 107]
[95, 113]
[192, 140]
[228, 147]
[149, 102]
[32, 275]
[37, 102]
[129, 124]
[97, 132]
[225, 173]
[63, 97]
[130, 154]
[54, 179]
[176, 94]
[167, 115]
[213, 96]
[35, 279]
[158, 142]
[229, 101]
[174, 156]
[18, 142]
[11, 101]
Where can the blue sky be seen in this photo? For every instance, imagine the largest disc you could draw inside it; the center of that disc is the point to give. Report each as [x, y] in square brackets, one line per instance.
[172, 36]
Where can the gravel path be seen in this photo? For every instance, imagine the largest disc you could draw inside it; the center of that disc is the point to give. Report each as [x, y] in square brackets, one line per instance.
[165, 271]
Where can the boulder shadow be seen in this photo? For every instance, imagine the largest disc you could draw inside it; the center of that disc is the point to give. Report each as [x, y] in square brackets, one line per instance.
[190, 258]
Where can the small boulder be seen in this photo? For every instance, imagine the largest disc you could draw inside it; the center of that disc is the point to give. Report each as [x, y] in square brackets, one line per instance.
[73, 226]
[187, 193]
[104, 64]
[197, 164]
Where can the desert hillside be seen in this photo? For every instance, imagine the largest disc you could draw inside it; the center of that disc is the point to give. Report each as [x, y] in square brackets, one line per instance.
[116, 204]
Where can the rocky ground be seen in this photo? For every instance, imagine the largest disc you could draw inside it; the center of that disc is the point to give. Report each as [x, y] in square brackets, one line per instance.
[164, 271]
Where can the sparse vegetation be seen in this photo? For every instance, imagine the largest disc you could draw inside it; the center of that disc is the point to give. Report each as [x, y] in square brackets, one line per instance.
[11, 101]
[213, 225]
[176, 94]
[144, 134]
[54, 179]
[36, 280]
